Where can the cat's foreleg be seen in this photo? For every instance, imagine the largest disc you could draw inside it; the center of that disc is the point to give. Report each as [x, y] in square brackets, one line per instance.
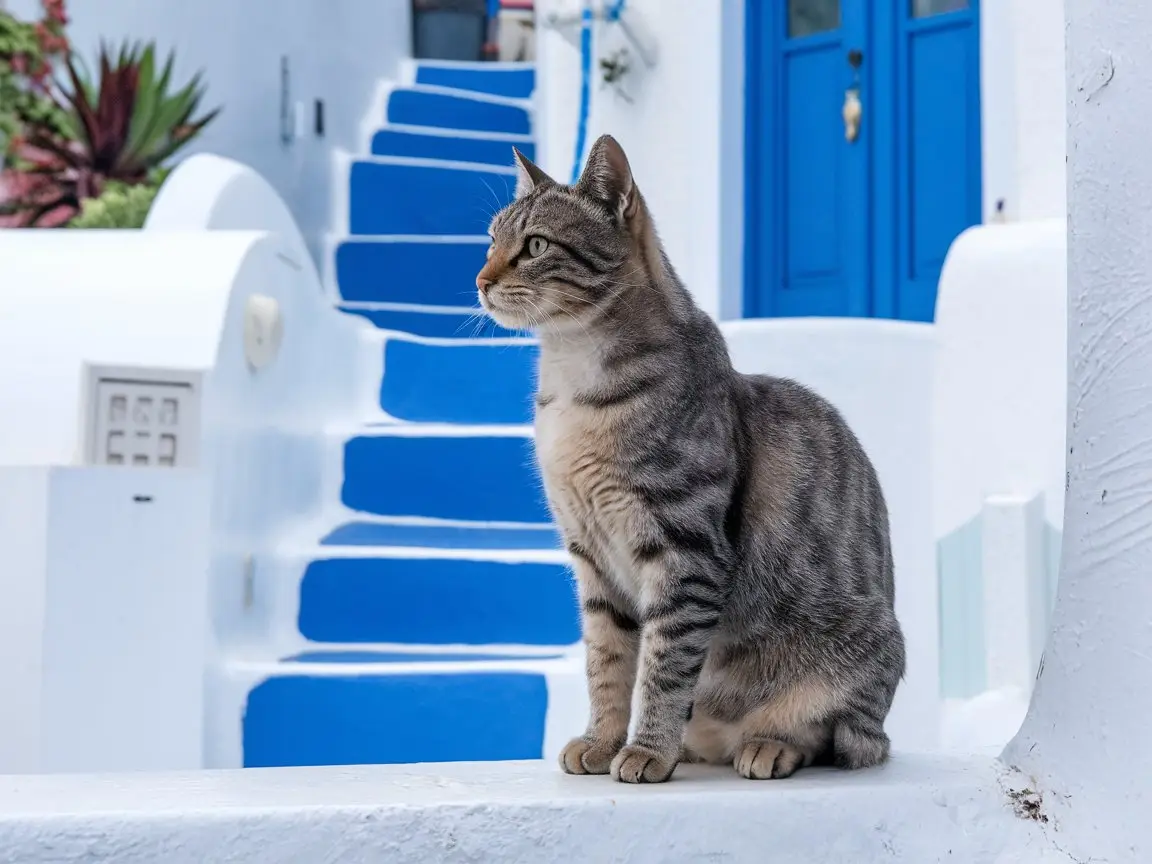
[612, 640]
[682, 604]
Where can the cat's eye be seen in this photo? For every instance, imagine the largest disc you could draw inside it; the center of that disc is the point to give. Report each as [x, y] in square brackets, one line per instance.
[536, 246]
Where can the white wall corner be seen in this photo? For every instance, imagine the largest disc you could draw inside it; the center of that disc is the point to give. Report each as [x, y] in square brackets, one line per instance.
[1015, 590]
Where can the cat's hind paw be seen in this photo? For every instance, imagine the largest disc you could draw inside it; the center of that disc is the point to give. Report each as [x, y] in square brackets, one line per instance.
[584, 756]
[636, 764]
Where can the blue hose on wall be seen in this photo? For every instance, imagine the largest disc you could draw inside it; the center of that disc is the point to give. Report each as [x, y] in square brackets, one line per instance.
[612, 14]
[585, 87]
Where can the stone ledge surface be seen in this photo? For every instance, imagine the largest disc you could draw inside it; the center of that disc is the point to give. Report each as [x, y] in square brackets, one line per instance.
[916, 809]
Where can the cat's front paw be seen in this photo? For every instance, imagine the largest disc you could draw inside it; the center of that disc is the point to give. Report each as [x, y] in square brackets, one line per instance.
[636, 764]
[584, 756]
[768, 759]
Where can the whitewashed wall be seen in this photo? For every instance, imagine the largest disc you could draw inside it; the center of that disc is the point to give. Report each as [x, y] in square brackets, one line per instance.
[684, 132]
[64, 303]
[337, 52]
[1022, 90]
[672, 132]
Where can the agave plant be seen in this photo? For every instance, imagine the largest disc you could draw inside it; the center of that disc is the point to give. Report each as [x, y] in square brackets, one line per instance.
[124, 124]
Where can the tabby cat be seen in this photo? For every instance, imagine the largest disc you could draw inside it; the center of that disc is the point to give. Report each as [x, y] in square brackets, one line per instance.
[729, 535]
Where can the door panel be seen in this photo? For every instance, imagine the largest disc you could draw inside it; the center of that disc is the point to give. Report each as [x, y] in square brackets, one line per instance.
[807, 242]
[813, 220]
[939, 182]
[847, 228]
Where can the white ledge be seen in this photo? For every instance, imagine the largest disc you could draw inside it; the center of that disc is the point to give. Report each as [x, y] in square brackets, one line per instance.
[916, 809]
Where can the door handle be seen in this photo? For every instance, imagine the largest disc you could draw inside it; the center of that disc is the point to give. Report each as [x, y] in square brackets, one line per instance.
[853, 109]
[853, 113]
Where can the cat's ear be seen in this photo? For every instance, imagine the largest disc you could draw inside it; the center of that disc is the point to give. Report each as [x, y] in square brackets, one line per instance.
[608, 177]
[529, 175]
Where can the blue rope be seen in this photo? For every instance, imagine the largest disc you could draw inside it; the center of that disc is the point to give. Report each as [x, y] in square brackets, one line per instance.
[612, 14]
[585, 88]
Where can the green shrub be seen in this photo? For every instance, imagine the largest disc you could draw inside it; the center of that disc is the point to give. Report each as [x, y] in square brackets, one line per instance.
[119, 205]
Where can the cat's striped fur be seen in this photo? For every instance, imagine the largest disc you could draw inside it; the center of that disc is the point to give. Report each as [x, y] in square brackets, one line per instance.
[728, 532]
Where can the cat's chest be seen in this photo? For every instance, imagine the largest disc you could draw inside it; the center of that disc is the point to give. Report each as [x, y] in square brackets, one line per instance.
[578, 449]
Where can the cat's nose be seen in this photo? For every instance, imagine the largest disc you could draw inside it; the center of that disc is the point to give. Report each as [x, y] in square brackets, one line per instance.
[483, 284]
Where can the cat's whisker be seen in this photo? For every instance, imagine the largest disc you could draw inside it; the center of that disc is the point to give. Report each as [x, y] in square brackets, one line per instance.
[495, 198]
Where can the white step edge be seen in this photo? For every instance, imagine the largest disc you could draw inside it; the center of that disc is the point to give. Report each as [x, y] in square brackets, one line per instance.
[428, 553]
[431, 652]
[411, 64]
[450, 164]
[917, 808]
[446, 342]
[427, 309]
[344, 516]
[448, 132]
[272, 669]
[431, 239]
[470, 95]
[432, 430]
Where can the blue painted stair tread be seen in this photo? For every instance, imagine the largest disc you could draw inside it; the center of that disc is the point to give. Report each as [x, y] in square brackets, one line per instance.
[389, 719]
[433, 324]
[514, 82]
[412, 107]
[402, 197]
[476, 478]
[454, 148]
[465, 383]
[437, 601]
[478, 537]
[359, 657]
[422, 273]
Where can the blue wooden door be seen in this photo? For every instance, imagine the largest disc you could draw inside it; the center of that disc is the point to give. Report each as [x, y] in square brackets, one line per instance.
[847, 220]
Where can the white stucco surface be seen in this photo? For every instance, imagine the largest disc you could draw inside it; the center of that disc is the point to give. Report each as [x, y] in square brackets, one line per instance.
[671, 130]
[1082, 738]
[999, 394]
[122, 298]
[1023, 108]
[103, 615]
[914, 810]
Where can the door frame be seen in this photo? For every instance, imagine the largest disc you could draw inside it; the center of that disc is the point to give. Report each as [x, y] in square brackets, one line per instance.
[885, 126]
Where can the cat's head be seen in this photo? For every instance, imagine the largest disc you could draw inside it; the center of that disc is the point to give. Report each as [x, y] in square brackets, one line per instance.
[558, 252]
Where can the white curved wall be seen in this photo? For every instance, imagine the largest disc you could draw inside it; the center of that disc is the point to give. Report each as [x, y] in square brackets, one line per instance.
[999, 398]
[110, 297]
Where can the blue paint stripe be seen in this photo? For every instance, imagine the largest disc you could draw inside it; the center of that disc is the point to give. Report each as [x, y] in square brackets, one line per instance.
[424, 274]
[442, 536]
[430, 601]
[398, 142]
[387, 198]
[458, 384]
[469, 478]
[448, 111]
[434, 325]
[513, 83]
[364, 720]
[360, 657]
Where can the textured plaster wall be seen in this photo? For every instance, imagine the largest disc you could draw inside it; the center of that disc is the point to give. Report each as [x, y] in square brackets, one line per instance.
[1094, 692]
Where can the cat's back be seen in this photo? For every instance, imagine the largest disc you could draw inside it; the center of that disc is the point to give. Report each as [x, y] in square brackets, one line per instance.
[812, 476]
